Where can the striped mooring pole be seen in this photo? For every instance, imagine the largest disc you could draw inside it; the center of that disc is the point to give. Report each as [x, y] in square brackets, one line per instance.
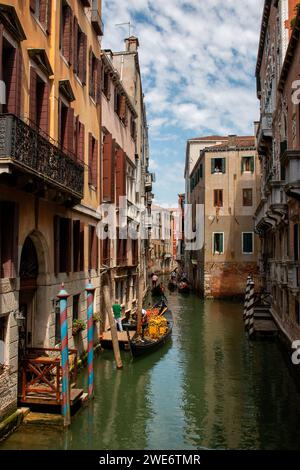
[90, 291]
[63, 299]
[247, 296]
[250, 310]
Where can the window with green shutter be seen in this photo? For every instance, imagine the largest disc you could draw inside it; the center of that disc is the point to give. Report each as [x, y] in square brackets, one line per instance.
[218, 165]
[247, 165]
[218, 243]
[247, 243]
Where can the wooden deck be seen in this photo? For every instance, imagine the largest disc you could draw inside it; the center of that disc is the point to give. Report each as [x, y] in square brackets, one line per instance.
[122, 337]
[265, 328]
[76, 394]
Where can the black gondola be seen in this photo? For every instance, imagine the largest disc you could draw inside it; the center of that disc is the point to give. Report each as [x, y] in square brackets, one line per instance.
[156, 291]
[172, 286]
[184, 288]
[142, 345]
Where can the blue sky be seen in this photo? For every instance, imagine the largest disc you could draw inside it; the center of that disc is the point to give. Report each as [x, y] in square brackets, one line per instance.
[198, 62]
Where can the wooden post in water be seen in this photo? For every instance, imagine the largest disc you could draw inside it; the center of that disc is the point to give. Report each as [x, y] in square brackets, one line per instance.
[139, 302]
[113, 328]
[65, 389]
[90, 291]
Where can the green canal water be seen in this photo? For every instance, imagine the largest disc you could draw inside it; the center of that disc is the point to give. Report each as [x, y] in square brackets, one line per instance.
[208, 388]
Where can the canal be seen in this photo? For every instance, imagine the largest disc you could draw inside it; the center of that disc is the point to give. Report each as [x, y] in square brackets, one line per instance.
[208, 388]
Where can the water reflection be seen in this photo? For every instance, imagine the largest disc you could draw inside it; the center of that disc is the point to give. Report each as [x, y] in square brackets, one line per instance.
[207, 388]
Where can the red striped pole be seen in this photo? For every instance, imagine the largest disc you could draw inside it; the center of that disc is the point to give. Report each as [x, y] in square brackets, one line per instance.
[90, 291]
[63, 298]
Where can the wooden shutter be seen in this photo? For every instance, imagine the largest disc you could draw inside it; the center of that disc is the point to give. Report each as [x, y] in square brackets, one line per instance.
[32, 5]
[44, 122]
[90, 159]
[212, 165]
[93, 247]
[120, 175]
[221, 243]
[32, 95]
[56, 237]
[122, 112]
[14, 68]
[242, 165]
[81, 142]
[252, 164]
[75, 46]
[76, 246]
[69, 132]
[43, 13]
[91, 77]
[107, 168]
[98, 82]
[76, 136]
[84, 56]
[49, 15]
[68, 34]
[223, 165]
[81, 247]
[95, 164]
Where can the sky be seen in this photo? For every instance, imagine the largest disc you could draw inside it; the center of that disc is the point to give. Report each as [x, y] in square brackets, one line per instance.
[197, 62]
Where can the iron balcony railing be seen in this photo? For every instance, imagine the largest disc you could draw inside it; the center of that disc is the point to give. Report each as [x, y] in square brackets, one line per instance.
[25, 148]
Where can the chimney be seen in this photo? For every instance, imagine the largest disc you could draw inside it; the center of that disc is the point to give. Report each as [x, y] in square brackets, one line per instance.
[232, 140]
[132, 44]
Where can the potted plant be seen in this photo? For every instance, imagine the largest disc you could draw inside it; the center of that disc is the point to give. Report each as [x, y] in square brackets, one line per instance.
[96, 317]
[78, 325]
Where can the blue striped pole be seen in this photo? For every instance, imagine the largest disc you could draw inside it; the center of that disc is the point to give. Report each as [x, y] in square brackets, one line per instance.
[63, 299]
[90, 291]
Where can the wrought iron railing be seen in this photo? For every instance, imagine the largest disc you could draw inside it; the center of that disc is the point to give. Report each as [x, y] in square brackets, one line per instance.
[31, 150]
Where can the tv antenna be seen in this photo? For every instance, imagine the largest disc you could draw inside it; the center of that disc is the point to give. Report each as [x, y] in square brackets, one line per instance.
[129, 24]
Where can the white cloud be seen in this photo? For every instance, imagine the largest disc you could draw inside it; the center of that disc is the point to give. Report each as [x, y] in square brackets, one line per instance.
[197, 60]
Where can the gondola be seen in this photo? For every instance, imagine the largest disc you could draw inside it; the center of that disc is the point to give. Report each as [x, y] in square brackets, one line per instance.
[184, 288]
[156, 291]
[172, 286]
[142, 344]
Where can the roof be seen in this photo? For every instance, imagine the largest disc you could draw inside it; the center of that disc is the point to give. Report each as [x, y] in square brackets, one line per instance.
[238, 142]
[210, 137]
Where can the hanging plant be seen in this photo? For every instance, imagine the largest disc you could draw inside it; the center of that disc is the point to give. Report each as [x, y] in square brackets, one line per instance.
[78, 325]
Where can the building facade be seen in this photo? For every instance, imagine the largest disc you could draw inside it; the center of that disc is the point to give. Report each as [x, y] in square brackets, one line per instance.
[278, 143]
[50, 63]
[221, 248]
[163, 233]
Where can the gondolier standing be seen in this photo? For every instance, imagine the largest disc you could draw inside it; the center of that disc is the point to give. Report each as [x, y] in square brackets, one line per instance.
[117, 314]
[154, 280]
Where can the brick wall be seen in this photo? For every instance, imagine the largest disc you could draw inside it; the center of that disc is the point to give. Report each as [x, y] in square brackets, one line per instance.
[228, 279]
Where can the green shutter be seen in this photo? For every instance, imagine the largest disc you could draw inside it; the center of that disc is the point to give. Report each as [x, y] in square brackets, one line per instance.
[223, 165]
[212, 165]
[221, 243]
[242, 165]
[252, 164]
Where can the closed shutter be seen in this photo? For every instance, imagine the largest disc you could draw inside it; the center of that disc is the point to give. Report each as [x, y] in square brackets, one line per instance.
[223, 165]
[120, 175]
[107, 169]
[49, 15]
[98, 82]
[122, 112]
[252, 164]
[81, 247]
[212, 165]
[69, 133]
[76, 136]
[44, 121]
[76, 246]
[242, 165]
[32, 5]
[68, 34]
[90, 159]
[221, 242]
[81, 142]
[32, 96]
[14, 68]
[43, 12]
[91, 90]
[93, 247]
[75, 46]
[84, 56]
[56, 237]
[95, 164]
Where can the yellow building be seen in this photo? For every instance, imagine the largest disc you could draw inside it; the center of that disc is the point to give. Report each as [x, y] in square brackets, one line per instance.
[50, 126]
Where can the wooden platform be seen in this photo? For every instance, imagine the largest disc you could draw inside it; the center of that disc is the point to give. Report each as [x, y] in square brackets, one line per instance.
[106, 341]
[36, 399]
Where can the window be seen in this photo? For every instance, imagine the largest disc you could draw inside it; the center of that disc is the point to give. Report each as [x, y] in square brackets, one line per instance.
[247, 243]
[3, 323]
[247, 197]
[247, 164]
[105, 250]
[78, 246]
[80, 53]
[66, 22]
[76, 305]
[218, 197]
[9, 229]
[41, 9]
[79, 138]
[132, 127]
[218, 243]
[93, 161]
[120, 106]
[201, 171]
[39, 101]
[66, 127]
[94, 77]
[106, 83]
[12, 77]
[218, 165]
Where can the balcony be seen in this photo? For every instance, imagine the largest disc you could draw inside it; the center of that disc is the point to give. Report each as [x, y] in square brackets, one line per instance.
[291, 161]
[264, 132]
[24, 151]
[272, 210]
[293, 276]
[278, 272]
[149, 179]
[97, 22]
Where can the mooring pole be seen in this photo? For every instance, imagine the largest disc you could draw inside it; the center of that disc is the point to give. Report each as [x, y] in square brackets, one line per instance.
[63, 299]
[90, 292]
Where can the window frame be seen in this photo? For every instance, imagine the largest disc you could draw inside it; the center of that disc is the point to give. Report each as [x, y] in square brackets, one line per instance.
[247, 189]
[218, 192]
[251, 164]
[213, 243]
[223, 166]
[248, 252]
